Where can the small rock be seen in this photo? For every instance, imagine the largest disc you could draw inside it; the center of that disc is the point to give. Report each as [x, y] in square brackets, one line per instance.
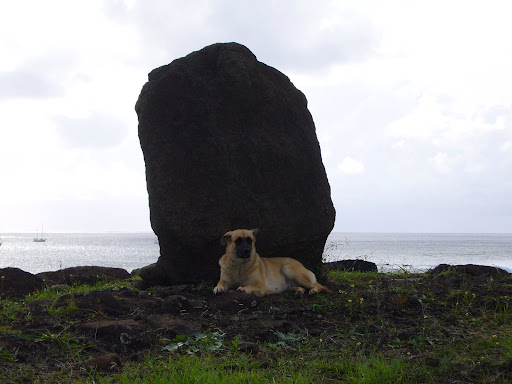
[125, 338]
[176, 304]
[171, 324]
[432, 361]
[248, 347]
[404, 335]
[99, 301]
[112, 328]
[109, 362]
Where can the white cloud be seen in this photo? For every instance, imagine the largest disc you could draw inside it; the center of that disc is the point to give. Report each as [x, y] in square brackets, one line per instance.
[506, 146]
[402, 97]
[92, 131]
[351, 166]
[25, 84]
[474, 168]
[441, 162]
[424, 122]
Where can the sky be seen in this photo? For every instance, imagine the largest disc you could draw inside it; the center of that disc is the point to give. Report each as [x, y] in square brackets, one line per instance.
[412, 102]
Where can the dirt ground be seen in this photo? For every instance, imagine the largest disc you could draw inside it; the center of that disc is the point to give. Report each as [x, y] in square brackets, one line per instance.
[103, 329]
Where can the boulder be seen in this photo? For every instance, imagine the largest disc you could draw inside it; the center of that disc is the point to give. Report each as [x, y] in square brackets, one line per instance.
[351, 266]
[469, 269]
[229, 143]
[16, 283]
[84, 275]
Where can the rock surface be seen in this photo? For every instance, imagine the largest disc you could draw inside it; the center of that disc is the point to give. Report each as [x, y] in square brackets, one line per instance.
[17, 283]
[351, 266]
[469, 269]
[229, 143]
[83, 275]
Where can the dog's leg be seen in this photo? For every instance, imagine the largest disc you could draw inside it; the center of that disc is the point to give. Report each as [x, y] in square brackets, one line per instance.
[304, 278]
[258, 290]
[222, 286]
[299, 291]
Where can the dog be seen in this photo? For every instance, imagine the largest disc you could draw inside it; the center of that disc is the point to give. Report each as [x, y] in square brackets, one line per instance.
[242, 268]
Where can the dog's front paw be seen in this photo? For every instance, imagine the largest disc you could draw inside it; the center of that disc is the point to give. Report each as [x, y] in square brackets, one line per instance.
[243, 289]
[218, 289]
[257, 291]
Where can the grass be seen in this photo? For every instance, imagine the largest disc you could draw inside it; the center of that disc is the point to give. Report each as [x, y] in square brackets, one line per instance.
[236, 368]
[400, 328]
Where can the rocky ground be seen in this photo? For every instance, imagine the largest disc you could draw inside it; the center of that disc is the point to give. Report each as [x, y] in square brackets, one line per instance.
[66, 331]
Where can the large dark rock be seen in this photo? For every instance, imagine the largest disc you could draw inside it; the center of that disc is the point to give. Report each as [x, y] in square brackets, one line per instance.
[229, 143]
[469, 269]
[351, 266]
[84, 275]
[15, 282]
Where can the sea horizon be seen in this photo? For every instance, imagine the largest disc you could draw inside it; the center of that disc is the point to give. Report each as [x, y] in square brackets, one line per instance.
[410, 251]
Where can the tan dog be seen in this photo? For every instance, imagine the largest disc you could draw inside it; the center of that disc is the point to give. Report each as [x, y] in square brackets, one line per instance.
[242, 268]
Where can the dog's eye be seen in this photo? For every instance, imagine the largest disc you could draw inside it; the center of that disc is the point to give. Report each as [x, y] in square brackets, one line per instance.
[249, 241]
[238, 241]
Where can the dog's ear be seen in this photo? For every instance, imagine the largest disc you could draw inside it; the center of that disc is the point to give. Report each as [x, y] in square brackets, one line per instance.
[224, 240]
[255, 231]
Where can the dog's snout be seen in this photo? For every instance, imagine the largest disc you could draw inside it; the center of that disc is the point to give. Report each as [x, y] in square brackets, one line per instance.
[243, 247]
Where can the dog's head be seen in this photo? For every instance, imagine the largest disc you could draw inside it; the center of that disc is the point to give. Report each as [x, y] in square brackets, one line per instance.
[240, 243]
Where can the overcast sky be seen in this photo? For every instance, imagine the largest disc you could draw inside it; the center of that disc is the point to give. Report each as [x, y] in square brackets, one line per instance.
[412, 103]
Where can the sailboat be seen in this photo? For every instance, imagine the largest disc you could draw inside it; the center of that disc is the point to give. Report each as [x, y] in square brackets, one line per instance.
[40, 239]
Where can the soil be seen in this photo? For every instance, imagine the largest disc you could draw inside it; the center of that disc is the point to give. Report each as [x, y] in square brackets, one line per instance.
[103, 329]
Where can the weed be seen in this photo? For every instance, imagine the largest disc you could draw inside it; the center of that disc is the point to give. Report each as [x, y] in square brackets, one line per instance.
[352, 279]
[235, 343]
[5, 354]
[318, 308]
[201, 342]
[287, 340]
[63, 340]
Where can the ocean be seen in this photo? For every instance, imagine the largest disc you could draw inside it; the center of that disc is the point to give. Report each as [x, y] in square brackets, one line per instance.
[390, 251]
[416, 252]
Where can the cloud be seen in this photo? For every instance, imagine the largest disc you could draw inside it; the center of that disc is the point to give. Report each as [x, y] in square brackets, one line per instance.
[506, 146]
[95, 131]
[398, 145]
[28, 85]
[423, 113]
[297, 35]
[423, 122]
[441, 163]
[351, 166]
